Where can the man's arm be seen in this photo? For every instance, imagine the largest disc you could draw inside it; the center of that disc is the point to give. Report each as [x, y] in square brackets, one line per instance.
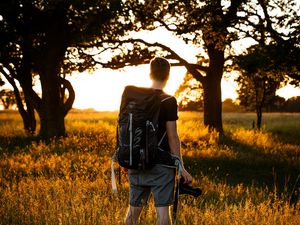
[174, 143]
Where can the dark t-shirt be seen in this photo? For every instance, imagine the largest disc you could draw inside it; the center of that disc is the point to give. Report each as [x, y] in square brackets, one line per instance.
[168, 112]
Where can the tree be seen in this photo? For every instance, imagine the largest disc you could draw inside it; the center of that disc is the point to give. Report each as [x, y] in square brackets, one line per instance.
[293, 104]
[49, 39]
[258, 80]
[275, 26]
[213, 26]
[229, 105]
[265, 65]
[190, 94]
[7, 98]
[205, 24]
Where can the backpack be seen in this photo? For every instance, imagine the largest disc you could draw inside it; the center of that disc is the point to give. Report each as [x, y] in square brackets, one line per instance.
[137, 141]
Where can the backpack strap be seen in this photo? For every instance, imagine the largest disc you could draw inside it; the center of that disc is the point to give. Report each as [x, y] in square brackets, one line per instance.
[168, 97]
[162, 138]
[164, 99]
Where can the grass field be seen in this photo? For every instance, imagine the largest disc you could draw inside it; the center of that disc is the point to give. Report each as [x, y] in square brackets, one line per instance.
[248, 177]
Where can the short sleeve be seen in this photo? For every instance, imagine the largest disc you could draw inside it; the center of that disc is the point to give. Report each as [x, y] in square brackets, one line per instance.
[170, 109]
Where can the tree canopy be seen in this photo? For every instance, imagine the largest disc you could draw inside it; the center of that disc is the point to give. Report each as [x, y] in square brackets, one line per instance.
[48, 39]
[213, 27]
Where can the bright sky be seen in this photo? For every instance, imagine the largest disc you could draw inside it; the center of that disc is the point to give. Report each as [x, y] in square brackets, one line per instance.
[102, 90]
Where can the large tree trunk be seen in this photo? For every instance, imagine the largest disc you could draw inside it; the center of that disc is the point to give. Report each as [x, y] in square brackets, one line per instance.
[53, 108]
[51, 111]
[51, 114]
[212, 91]
[213, 104]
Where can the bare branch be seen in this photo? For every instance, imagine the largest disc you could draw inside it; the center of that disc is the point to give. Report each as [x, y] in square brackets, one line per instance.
[196, 66]
[190, 67]
[273, 32]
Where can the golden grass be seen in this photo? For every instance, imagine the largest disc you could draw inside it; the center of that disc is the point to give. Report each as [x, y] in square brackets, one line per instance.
[67, 181]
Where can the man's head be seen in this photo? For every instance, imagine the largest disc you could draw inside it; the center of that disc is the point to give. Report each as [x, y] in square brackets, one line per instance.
[159, 69]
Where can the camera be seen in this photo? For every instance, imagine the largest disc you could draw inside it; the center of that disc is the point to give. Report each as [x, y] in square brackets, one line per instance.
[189, 190]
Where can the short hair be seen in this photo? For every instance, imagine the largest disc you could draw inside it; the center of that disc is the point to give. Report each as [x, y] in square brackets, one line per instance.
[159, 69]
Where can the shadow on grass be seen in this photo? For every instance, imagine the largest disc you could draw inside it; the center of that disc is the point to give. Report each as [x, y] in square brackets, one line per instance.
[15, 144]
[251, 167]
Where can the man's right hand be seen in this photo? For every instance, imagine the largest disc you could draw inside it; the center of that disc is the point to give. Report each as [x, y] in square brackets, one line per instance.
[186, 176]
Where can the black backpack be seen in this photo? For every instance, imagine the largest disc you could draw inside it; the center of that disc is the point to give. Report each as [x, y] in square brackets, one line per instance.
[137, 141]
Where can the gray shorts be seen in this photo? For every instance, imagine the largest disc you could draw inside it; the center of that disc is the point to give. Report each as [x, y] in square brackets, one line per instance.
[159, 181]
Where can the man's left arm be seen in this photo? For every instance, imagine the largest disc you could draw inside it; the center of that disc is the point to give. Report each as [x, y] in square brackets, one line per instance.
[174, 143]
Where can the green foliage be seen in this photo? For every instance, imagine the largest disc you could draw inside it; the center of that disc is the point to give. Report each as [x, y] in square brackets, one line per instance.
[275, 27]
[293, 104]
[212, 27]
[84, 24]
[259, 78]
[228, 105]
[190, 94]
[49, 39]
[7, 98]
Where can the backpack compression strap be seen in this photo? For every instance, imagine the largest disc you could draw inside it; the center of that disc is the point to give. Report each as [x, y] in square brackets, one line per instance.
[162, 138]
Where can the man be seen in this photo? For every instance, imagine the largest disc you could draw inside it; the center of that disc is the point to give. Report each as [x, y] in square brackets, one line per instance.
[160, 179]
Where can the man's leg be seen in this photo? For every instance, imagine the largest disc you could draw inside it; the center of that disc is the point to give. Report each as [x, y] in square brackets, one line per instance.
[163, 215]
[133, 215]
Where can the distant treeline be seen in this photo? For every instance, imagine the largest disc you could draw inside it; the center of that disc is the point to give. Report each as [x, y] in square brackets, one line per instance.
[278, 104]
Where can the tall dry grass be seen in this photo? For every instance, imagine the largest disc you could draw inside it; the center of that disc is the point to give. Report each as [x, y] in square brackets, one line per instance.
[248, 177]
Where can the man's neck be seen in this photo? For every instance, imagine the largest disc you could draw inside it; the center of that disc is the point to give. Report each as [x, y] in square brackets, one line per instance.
[158, 84]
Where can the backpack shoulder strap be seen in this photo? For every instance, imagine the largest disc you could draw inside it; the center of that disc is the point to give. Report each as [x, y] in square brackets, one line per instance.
[165, 97]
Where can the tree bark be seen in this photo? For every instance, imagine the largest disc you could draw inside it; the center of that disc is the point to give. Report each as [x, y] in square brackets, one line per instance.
[212, 91]
[27, 115]
[51, 111]
[25, 79]
[213, 104]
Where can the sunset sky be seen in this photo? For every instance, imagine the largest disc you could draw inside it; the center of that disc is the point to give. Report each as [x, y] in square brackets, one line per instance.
[102, 90]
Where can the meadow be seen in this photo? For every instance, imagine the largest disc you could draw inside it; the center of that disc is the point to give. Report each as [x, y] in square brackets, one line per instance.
[247, 176]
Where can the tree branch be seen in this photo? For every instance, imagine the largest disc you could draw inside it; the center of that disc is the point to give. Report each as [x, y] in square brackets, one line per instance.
[190, 67]
[294, 76]
[31, 94]
[69, 102]
[232, 12]
[273, 33]
[196, 66]
[16, 91]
